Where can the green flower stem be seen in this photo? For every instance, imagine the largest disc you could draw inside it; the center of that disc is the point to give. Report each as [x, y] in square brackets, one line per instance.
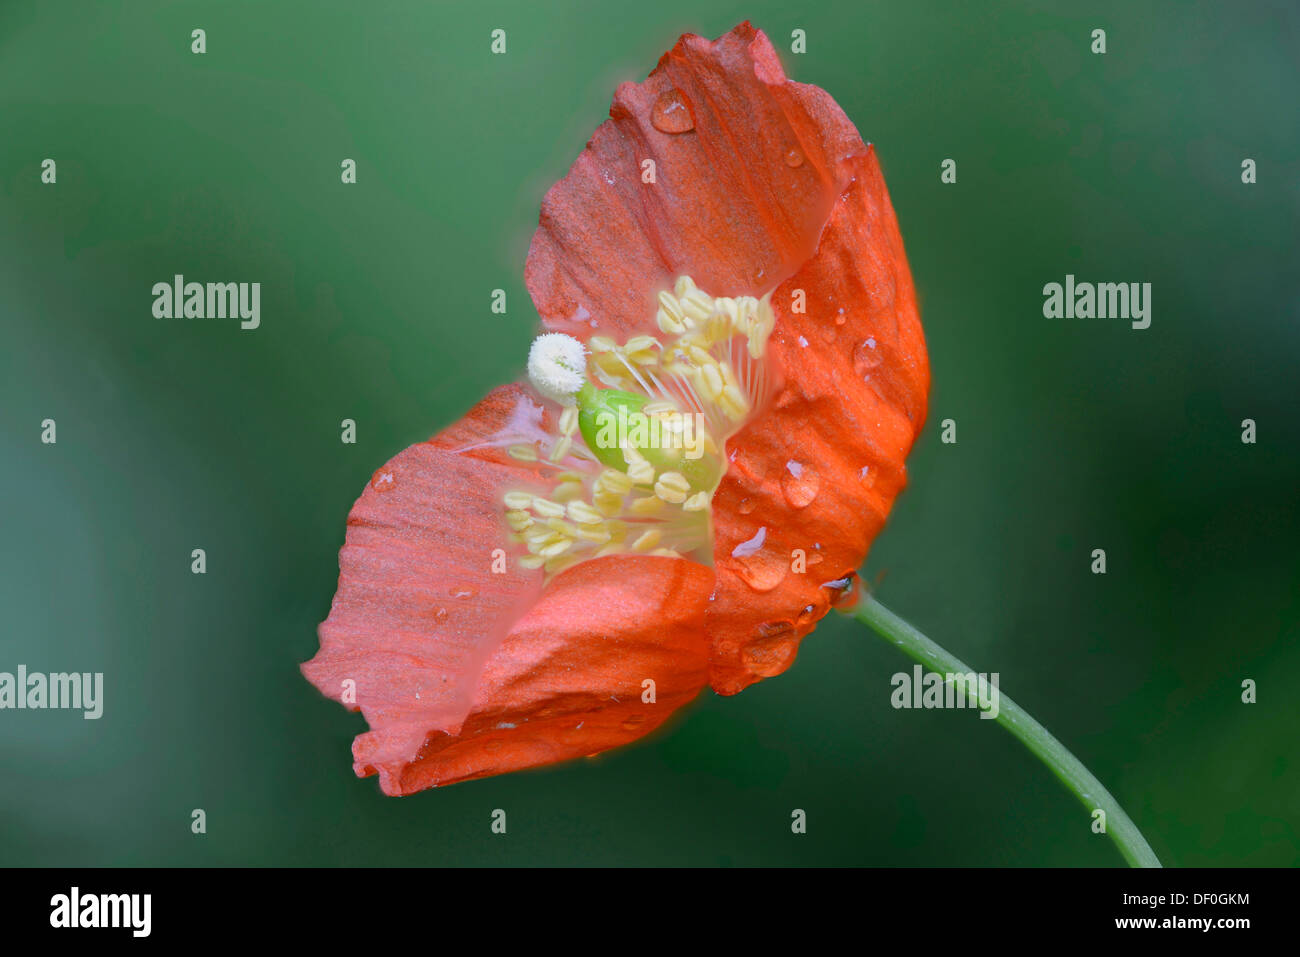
[1015, 719]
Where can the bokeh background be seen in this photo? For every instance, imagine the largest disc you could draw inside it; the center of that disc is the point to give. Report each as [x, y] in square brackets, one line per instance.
[174, 435]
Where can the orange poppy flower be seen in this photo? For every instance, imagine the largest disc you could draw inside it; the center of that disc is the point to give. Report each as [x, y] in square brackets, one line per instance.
[714, 431]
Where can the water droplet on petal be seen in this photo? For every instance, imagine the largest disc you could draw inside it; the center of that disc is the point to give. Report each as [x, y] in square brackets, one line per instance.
[844, 591]
[806, 615]
[751, 546]
[633, 722]
[866, 356]
[440, 614]
[800, 483]
[762, 570]
[383, 481]
[773, 649]
[461, 592]
[746, 506]
[776, 629]
[794, 159]
[670, 114]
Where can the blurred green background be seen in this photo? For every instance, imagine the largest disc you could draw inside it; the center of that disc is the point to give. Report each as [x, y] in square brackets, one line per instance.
[174, 435]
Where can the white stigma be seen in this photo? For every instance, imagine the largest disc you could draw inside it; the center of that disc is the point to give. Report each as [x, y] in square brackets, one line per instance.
[557, 366]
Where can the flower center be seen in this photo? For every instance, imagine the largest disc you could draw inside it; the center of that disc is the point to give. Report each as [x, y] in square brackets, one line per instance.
[638, 447]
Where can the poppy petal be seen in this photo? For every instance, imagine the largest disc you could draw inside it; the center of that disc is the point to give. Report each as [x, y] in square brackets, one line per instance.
[737, 202]
[419, 609]
[820, 468]
[570, 679]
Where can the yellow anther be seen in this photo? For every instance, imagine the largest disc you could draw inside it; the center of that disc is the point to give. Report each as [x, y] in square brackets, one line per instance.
[764, 323]
[640, 472]
[524, 453]
[717, 328]
[547, 509]
[672, 487]
[584, 514]
[696, 306]
[598, 534]
[518, 520]
[733, 402]
[683, 285]
[597, 344]
[614, 481]
[700, 356]
[556, 548]
[518, 500]
[609, 363]
[561, 527]
[668, 324]
[561, 448]
[647, 541]
[709, 382]
[569, 420]
[566, 492]
[641, 344]
[696, 503]
[530, 562]
[538, 535]
[608, 503]
[646, 506]
[669, 304]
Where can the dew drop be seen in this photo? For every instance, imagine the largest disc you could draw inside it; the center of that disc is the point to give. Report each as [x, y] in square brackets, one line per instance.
[807, 614]
[746, 506]
[794, 159]
[772, 650]
[865, 356]
[670, 114]
[800, 483]
[634, 722]
[440, 614]
[382, 481]
[763, 570]
[463, 592]
[751, 546]
[844, 591]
